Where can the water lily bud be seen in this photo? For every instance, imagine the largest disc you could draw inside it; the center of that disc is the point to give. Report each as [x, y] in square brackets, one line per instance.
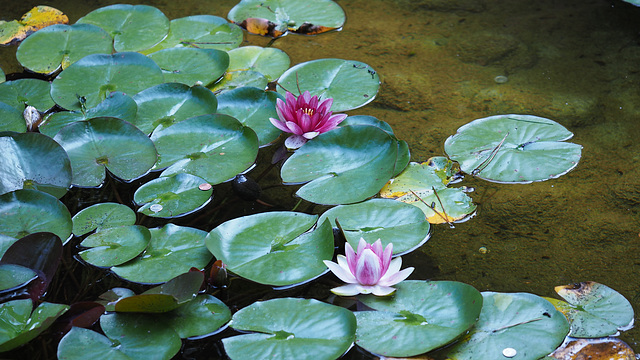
[32, 117]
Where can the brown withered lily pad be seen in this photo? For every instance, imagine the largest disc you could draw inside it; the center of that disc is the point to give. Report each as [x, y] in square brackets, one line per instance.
[13, 32]
[608, 348]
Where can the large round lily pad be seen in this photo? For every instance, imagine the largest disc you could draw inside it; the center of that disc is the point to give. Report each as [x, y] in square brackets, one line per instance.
[516, 323]
[88, 81]
[252, 107]
[270, 62]
[33, 161]
[106, 143]
[102, 215]
[191, 66]
[59, 46]
[289, 328]
[273, 248]
[115, 245]
[239, 78]
[172, 196]
[19, 322]
[12, 119]
[215, 147]
[202, 316]
[126, 336]
[390, 221]
[27, 211]
[419, 317]
[22, 92]
[350, 83]
[166, 104]
[133, 27]
[202, 32]
[513, 149]
[343, 166]
[173, 250]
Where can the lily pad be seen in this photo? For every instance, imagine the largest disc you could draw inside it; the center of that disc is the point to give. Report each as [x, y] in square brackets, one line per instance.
[419, 317]
[33, 161]
[422, 186]
[215, 147]
[273, 248]
[345, 165]
[166, 104]
[390, 221]
[173, 250]
[202, 32]
[27, 211]
[289, 328]
[106, 143]
[20, 323]
[205, 315]
[12, 119]
[133, 27]
[22, 92]
[513, 149]
[270, 62]
[166, 297]
[117, 104]
[126, 336]
[350, 83]
[281, 16]
[100, 216]
[252, 107]
[237, 79]
[2, 76]
[89, 81]
[517, 323]
[594, 310]
[59, 46]
[172, 196]
[115, 245]
[191, 66]
[39, 17]
[14, 276]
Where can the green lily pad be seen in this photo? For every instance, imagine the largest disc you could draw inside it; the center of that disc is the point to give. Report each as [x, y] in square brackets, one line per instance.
[22, 92]
[102, 216]
[89, 81]
[172, 196]
[115, 245]
[133, 27]
[273, 248]
[422, 186]
[20, 323]
[289, 15]
[215, 147]
[270, 62]
[13, 276]
[126, 336]
[106, 143]
[252, 107]
[289, 328]
[166, 297]
[202, 32]
[191, 66]
[350, 83]
[3, 77]
[345, 165]
[390, 221]
[633, 2]
[12, 119]
[520, 323]
[419, 317]
[117, 104]
[237, 79]
[166, 104]
[173, 250]
[27, 211]
[58, 46]
[593, 310]
[6, 242]
[33, 161]
[513, 149]
[203, 316]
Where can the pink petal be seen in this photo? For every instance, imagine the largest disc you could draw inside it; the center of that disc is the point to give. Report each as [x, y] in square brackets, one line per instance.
[279, 124]
[368, 268]
[313, 103]
[386, 257]
[377, 248]
[294, 142]
[294, 128]
[361, 245]
[325, 105]
[330, 123]
[351, 257]
[304, 121]
[342, 273]
[346, 290]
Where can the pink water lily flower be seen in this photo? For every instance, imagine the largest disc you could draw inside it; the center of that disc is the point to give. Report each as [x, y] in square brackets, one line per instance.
[370, 270]
[305, 117]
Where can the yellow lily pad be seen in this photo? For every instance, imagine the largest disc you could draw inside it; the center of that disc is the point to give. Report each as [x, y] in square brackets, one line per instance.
[12, 32]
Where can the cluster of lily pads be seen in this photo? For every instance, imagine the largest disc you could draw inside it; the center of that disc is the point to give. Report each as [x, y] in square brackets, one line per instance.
[130, 94]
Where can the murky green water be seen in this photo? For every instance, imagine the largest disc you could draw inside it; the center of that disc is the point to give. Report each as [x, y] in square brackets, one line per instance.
[577, 63]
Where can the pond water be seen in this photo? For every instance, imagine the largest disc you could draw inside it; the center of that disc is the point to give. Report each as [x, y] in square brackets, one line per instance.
[444, 63]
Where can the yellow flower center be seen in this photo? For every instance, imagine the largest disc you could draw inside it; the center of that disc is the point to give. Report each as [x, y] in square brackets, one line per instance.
[308, 111]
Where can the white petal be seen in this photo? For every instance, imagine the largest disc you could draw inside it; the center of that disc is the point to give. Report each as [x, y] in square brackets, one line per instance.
[394, 267]
[346, 290]
[342, 273]
[380, 290]
[395, 278]
[294, 142]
